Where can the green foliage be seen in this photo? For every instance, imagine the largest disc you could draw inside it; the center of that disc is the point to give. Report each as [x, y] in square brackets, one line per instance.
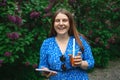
[25, 24]
[99, 21]
[23, 27]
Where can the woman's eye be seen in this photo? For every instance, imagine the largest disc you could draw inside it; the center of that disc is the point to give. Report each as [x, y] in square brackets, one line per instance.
[65, 20]
[57, 20]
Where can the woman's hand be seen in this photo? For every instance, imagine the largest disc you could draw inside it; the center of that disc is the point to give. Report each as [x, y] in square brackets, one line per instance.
[48, 74]
[77, 60]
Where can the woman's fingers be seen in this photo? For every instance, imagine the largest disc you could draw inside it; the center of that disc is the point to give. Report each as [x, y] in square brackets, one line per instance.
[78, 63]
[77, 57]
[77, 60]
[49, 74]
[45, 73]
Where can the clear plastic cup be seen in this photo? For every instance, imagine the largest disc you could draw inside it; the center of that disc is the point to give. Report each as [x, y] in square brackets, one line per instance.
[72, 60]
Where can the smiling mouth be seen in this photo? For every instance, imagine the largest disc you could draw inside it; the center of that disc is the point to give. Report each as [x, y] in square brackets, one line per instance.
[61, 27]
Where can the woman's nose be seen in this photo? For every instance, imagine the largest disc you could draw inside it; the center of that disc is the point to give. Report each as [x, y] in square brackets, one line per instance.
[61, 22]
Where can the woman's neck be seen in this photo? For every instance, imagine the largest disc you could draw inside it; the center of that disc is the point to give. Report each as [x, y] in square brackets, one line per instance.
[62, 42]
[62, 37]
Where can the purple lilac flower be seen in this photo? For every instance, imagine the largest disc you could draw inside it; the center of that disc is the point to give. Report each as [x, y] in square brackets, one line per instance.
[9, 35]
[7, 54]
[3, 3]
[13, 35]
[47, 14]
[111, 40]
[49, 7]
[34, 15]
[116, 9]
[15, 19]
[12, 18]
[18, 20]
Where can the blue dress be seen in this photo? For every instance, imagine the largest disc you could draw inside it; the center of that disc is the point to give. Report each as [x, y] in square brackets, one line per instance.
[50, 57]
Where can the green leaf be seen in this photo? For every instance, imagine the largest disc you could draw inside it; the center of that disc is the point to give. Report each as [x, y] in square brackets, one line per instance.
[22, 50]
[12, 60]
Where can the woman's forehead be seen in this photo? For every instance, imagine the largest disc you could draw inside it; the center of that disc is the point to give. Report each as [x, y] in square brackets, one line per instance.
[61, 15]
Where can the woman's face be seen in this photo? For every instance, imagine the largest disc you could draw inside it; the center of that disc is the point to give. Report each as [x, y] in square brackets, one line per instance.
[61, 24]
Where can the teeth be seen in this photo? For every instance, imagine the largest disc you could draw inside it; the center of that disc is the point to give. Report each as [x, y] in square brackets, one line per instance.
[61, 28]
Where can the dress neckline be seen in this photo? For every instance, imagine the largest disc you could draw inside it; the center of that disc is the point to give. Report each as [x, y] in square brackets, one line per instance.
[59, 47]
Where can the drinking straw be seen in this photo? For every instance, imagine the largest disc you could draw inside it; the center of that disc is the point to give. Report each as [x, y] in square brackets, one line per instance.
[73, 47]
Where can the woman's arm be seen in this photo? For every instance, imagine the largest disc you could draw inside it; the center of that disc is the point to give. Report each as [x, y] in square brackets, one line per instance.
[43, 55]
[88, 60]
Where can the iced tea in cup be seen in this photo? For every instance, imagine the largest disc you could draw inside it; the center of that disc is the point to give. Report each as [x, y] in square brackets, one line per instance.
[73, 57]
[72, 60]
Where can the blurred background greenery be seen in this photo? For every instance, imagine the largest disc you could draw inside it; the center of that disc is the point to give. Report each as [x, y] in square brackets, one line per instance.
[24, 24]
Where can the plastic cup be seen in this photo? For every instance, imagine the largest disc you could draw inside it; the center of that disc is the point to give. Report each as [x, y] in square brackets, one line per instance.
[72, 61]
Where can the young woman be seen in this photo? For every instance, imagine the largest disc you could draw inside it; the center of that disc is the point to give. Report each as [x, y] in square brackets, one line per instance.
[56, 51]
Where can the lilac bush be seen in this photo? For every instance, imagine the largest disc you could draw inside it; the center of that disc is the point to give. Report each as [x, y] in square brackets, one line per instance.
[24, 24]
[99, 21]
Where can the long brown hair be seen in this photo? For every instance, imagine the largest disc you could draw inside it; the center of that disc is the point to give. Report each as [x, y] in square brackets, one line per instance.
[72, 31]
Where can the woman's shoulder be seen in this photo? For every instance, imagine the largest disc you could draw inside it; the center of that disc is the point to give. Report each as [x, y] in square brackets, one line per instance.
[48, 40]
[83, 38]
